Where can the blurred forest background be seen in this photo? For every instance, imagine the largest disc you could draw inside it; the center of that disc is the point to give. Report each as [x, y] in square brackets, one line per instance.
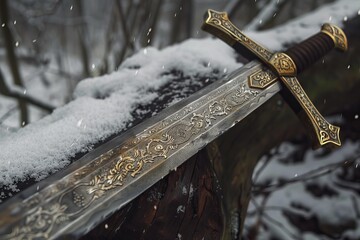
[47, 47]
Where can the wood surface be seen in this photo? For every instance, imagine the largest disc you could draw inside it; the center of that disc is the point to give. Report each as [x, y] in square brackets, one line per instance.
[220, 175]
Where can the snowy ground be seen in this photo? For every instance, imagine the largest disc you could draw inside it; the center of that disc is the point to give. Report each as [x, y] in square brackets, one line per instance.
[299, 197]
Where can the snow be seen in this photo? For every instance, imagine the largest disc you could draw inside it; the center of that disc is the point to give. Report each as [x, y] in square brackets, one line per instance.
[331, 210]
[295, 170]
[308, 24]
[101, 107]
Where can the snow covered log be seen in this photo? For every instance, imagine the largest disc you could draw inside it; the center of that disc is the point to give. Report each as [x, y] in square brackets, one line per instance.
[106, 106]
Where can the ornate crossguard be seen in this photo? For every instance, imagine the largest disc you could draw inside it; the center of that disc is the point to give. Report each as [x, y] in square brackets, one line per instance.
[285, 66]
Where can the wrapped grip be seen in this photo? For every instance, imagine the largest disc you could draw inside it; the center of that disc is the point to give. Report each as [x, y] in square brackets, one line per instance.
[317, 46]
[310, 50]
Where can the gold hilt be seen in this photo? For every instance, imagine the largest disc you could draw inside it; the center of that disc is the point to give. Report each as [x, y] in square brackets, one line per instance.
[285, 66]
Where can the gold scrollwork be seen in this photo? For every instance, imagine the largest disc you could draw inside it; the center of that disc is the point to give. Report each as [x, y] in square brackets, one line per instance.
[337, 35]
[283, 64]
[325, 132]
[40, 223]
[262, 79]
[218, 24]
[128, 161]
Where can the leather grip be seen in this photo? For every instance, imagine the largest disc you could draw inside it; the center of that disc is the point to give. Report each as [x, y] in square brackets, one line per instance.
[310, 50]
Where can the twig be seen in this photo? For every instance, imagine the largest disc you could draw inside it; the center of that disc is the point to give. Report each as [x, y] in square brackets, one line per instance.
[109, 40]
[10, 111]
[82, 35]
[144, 18]
[271, 220]
[174, 37]
[232, 7]
[124, 27]
[261, 168]
[306, 176]
[12, 60]
[265, 14]
[261, 210]
[18, 93]
[46, 13]
[154, 21]
[119, 57]
[127, 37]
[189, 14]
[8, 128]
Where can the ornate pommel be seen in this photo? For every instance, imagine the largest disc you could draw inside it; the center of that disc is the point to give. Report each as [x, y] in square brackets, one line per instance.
[285, 66]
[337, 35]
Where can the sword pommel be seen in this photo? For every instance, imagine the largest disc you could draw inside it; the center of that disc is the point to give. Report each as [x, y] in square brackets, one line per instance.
[285, 66]
[337, 35]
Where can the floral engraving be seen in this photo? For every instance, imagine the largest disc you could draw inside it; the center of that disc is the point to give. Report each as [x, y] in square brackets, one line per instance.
[325, 132]
[283, 64]
[220, 20]
[114, 169]
[40, 223]
[262, 79]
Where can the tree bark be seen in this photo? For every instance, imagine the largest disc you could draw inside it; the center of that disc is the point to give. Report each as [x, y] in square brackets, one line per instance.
[12, 59]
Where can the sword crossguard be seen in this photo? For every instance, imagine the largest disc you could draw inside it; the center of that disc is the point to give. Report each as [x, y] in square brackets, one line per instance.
[285, 66]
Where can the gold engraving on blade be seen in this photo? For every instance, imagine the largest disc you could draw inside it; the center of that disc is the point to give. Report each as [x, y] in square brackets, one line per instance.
[129, 161]
[40, 223]
[337, 35]
[163, 143]
[325, 132]
[283, 64]
[262, 79]
[220, 21]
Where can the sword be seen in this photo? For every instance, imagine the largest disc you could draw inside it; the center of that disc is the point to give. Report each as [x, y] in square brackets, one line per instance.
[76, 199]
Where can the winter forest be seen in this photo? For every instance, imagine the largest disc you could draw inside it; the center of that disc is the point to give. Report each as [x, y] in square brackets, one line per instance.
[76, 73]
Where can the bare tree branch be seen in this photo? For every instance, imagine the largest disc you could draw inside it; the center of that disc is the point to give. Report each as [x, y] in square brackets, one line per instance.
[12, 60]
[273, 221]
[315, 173]
[8, 113]
[127, 37]
[18, 93]
[154, 21]
[124, 27]
[82, 35]
[265, 14]
[232, 7]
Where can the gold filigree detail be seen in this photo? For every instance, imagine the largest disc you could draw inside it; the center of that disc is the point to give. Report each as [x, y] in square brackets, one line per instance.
[283, 64]
[78, 199]
[40, 223]
[262, 79]
[337, 35]
[218, 24]
[130, 163]
[326, 133]
[130, 160]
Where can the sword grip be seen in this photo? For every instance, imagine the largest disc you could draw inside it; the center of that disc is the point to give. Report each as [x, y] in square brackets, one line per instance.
[317, 46]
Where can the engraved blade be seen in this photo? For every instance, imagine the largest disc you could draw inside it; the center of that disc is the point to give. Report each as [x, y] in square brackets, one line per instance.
[72, 202]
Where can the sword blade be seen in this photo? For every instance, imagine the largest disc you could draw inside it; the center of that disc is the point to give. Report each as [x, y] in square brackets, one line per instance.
[73, 201]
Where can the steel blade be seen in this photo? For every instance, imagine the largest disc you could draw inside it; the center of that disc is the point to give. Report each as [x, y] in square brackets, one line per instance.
[75, 200]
